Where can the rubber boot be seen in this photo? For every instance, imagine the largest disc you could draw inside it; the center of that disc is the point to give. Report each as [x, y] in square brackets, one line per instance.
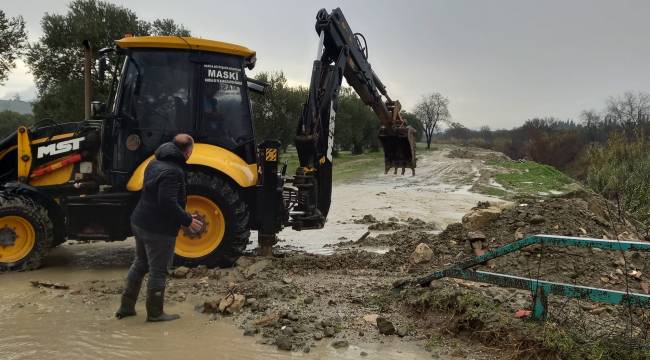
[155, 301]
[129, 298]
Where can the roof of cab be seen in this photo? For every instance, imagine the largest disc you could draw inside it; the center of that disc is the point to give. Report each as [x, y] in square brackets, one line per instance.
[178, 42]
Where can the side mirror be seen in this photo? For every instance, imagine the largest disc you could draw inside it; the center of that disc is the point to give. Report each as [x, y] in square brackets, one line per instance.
[97, 108]
[101, 69]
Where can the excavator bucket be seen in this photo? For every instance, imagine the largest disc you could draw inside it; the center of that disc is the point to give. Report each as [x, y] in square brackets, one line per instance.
[399, 148]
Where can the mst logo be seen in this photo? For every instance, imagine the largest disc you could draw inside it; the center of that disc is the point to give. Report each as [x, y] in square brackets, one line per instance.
[59, 148]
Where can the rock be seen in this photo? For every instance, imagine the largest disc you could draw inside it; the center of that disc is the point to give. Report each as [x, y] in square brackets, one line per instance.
[363, 353]
[251, 301]
[287, 330]
[478, 218]
[329, 331]
[237, 304]
[331, 302]
[266, 320]
[519, 234]
[283, 342]
[287, 280]
[250, 331]
[210, 307]
[292, 317]
[232, 304]
[371, 319]
[361, 333]
[225, 303]
[180, 272]
[306, 349]
[421, 254]
[645, 287]
[476, 236]
[256, 268]
[340, 344]
[318, 335]
[385, 326]
[308, 300]
[537, 219]
[401, 332]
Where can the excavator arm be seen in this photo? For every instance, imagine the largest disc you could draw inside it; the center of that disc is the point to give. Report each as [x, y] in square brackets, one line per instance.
[303, 201]
[341, 53]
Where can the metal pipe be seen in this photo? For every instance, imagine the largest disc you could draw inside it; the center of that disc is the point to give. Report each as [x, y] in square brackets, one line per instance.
[88, 61]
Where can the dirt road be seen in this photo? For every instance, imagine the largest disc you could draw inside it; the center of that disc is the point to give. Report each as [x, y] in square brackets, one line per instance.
[77, 323]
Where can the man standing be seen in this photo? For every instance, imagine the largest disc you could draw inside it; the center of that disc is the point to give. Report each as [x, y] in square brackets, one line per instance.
[155, 223]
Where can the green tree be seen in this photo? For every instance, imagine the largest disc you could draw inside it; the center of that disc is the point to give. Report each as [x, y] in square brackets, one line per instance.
[12, 42]
[10, 121]
[56, 59]
[414, 122]
[276, 112]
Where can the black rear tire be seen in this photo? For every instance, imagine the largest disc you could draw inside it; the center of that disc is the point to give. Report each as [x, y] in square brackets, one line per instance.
[226, 196]
[37, 216]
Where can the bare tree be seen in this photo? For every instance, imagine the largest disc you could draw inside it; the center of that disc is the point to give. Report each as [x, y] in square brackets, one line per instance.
[629, 110]
[432, 109]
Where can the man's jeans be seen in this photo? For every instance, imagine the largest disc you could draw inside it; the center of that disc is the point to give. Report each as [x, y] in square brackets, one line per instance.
[153, 255]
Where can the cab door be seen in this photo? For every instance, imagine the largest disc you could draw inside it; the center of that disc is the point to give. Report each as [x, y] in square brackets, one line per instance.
[155, 104]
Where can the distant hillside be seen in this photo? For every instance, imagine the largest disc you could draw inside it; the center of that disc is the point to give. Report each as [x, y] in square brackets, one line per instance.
[19, 106]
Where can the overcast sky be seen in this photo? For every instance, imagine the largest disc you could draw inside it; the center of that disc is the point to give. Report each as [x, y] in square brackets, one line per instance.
[499, 62]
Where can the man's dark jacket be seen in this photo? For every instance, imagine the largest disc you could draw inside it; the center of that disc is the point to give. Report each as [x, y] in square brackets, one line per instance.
[161, 208]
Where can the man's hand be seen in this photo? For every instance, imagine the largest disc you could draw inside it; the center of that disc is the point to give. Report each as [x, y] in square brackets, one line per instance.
[196, 225]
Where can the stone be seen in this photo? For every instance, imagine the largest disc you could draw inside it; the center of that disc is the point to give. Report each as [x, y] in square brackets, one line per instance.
[340, 344]
[363, 353]
[256, 268]
[237, 304]
[385, 326]
[287, 330]
[210, 307]
[537, 219]
[250, 331]
[421, 254]
[308, 300]
[479, 218]
[519, 234]
[180, 272]
[292, 317]
[329, 331]
[283, 342]
[331, 302]
[401, 332]
[306, 349]
[230, 304]
[318, 335]
[476, 236]
[371, 319]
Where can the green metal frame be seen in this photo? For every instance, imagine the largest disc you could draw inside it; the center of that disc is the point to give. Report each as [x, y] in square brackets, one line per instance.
[541, 288]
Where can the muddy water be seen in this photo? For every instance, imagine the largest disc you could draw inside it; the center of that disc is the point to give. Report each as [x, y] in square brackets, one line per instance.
[48, 324]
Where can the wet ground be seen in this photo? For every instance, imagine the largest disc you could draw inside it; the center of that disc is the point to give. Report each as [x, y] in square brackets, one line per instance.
[37, 323]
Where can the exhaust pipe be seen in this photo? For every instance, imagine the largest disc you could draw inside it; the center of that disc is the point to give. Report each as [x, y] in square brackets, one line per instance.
[88, 61]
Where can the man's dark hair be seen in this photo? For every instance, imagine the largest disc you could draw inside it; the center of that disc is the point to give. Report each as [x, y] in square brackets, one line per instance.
[183, 141]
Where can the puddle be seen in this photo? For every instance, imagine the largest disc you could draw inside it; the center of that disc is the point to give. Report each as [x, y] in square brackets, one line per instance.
[36, 324]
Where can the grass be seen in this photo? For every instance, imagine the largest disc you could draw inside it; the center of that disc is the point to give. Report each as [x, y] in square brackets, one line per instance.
[478, 317]
[530, 178]
[346, 165]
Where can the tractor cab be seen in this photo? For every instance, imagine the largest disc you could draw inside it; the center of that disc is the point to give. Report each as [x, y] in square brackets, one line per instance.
[168, 85]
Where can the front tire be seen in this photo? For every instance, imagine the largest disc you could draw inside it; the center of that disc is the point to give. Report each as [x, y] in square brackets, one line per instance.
[26, 233]
[225, 236]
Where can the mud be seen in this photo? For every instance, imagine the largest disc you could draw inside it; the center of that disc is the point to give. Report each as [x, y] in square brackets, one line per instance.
[329, 296]
[326, 306]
